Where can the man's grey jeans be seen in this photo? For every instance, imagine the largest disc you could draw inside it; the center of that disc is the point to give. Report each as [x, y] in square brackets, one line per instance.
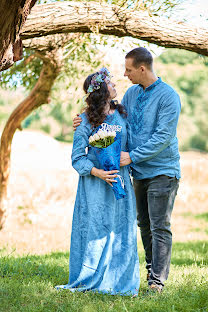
[155, 198]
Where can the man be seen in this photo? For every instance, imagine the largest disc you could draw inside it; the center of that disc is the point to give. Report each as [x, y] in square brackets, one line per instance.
[153, 109]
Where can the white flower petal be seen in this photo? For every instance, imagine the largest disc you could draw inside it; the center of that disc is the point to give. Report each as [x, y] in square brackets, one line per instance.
[91, 139]
[105, 133]
[96, 137]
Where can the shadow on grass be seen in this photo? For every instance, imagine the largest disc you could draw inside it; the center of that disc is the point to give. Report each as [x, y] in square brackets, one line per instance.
[27, 284]
[50, 266]
[56, 264]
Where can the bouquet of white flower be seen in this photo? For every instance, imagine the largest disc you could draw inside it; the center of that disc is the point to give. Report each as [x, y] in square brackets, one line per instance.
[102, 138]
[107, 148]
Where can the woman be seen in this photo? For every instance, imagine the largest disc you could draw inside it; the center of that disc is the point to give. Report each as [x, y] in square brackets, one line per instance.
[103, 252]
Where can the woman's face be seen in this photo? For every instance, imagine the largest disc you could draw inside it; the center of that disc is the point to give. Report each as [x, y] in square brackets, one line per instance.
[111, 88]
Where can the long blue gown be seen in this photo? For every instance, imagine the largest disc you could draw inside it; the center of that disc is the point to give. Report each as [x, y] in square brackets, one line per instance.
[103, 252]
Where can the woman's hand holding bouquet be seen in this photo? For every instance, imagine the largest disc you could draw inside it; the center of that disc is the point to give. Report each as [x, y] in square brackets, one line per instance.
[107, 148]
[107, 176]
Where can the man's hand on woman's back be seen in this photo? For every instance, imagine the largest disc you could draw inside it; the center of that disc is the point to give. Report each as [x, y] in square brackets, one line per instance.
[76, 122]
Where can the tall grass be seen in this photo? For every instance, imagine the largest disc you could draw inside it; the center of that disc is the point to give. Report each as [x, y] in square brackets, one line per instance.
[27, 284]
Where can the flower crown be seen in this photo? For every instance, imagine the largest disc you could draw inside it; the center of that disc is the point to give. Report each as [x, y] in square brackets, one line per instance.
[97, 79]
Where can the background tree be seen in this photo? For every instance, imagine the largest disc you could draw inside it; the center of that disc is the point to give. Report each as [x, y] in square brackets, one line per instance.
[40, 69]
[122, 21]
[51, 56]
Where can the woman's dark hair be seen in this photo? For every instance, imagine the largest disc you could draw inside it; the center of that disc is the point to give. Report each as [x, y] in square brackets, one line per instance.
[96, 102]
[140, 56]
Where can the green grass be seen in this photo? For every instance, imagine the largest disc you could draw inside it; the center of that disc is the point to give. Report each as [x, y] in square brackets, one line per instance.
[27, 284]
[203, 216]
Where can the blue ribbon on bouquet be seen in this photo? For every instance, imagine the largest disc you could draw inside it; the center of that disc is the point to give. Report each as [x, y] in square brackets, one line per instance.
[109, 159]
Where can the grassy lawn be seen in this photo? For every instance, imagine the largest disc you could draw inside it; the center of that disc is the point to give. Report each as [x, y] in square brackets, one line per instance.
[27, 284]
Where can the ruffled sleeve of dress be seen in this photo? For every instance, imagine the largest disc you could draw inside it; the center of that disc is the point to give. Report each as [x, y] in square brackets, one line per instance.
[80, 161]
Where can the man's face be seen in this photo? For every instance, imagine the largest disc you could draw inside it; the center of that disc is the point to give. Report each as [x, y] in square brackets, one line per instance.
[134, 74]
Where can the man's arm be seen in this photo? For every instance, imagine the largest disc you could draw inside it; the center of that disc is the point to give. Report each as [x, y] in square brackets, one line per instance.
[165, 131]
[76, 122]
[125, 159]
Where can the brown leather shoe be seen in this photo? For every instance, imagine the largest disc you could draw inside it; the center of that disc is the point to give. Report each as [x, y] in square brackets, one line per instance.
[155, 288]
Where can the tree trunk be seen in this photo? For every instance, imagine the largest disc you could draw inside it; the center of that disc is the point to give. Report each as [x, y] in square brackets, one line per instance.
[66, 17]
[13, 16]
[52, 62]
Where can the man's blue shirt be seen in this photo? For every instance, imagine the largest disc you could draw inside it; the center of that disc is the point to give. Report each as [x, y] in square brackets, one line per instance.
[152, 120]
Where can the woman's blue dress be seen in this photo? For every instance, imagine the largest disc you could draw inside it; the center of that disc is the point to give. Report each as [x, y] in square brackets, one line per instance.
[103, 252]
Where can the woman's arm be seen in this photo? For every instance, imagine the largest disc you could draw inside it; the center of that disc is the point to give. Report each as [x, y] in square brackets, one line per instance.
[107, 176]
[80, 161]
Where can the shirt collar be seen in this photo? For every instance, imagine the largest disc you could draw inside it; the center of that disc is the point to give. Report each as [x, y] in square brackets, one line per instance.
[153, 84]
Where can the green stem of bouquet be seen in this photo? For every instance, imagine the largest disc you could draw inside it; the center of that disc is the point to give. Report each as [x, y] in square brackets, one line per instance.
[102, 143]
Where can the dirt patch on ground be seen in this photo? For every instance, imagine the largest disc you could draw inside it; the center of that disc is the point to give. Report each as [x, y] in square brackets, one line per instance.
[42, 190]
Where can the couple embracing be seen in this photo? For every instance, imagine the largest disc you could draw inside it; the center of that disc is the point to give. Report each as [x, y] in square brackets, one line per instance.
[103, 251]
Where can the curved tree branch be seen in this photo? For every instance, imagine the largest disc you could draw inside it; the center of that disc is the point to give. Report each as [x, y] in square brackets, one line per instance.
[66, 17]
[52, 63]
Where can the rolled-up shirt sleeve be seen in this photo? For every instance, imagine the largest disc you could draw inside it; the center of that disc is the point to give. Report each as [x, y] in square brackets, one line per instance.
[167, 120]
[80, 161]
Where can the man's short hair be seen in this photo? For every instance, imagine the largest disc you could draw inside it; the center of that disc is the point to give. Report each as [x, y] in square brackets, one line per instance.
[140, 56]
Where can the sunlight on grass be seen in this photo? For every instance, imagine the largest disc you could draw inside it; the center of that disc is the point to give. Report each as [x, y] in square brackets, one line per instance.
[27, 284]
[39, 221]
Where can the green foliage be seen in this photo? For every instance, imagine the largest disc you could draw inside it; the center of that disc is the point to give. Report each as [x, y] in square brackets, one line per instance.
[182, 57]
[27, 284]
[187, 72]
[29, 120]
[81, 57]
[27, 75]
[83, 47]
[154, 6]
[198, 142]
[3, 117]
[22, 74]
[160, 7]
